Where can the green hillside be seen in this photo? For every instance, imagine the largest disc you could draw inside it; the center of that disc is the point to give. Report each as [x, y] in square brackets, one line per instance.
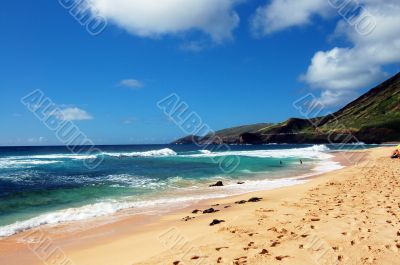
[380, 107]
[235, 132]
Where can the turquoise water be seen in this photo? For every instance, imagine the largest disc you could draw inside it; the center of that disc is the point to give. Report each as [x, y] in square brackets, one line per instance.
[48, 185]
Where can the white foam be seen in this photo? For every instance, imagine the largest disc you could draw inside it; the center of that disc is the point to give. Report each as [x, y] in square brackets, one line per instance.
[95, 210]
[313, 152]
[76, 214]
[152, 153]
[259, 185]
[11, 163]
[133, 181]
[65, 156]
[327, 166]
[28, 161]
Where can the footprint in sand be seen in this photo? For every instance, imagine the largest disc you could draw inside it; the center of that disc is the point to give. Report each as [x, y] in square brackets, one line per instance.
[250, 245]
[218, 249]
[275, 243]
[241, 260]
[281, 257]
[198, 257]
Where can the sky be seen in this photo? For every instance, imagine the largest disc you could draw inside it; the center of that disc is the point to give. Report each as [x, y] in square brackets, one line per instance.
[106, 63]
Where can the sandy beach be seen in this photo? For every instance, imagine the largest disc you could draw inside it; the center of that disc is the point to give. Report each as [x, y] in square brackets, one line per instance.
[195, 132]
[349, 216]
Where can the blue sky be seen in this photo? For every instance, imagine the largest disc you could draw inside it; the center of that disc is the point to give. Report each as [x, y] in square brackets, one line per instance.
[234, 63]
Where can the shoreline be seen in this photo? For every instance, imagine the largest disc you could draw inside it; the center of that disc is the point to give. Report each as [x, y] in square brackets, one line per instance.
[230, 189]
[102, 232]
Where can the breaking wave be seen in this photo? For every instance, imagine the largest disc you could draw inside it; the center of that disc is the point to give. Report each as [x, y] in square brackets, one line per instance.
[152, 153]
[312, 152]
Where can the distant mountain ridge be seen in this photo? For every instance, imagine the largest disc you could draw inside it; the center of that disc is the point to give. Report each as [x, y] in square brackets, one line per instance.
[372, 118]
[230, 135]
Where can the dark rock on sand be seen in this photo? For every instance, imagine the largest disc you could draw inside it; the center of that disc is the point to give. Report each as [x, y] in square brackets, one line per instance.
[254, 199]
[241, 202]
[211, 210]
[218, 184]
[240, 182]
[216, 221]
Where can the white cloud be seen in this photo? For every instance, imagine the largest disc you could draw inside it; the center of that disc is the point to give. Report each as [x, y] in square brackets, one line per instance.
[282, 14]
[336, 98]
[342, 68]
[131, 83]
[342, 71]
[73, 114]
[155, 18]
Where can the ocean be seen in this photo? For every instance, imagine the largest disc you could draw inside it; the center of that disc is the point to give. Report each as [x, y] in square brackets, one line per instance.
[50, 185]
